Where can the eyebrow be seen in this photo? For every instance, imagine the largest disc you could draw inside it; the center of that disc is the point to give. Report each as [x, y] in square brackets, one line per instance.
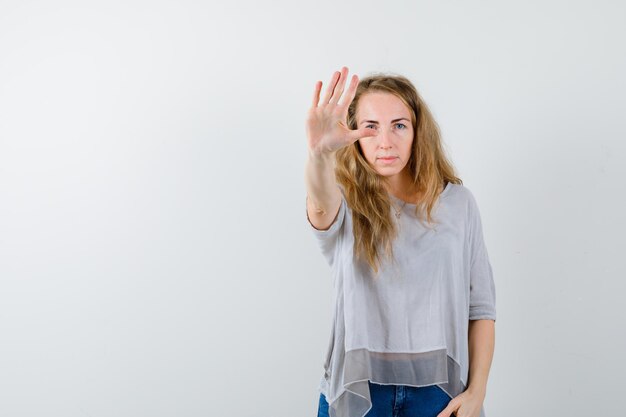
[393, 121]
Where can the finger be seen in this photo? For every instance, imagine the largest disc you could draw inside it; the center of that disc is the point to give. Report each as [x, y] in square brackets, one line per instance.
[349, 96]
[316, 93]
[339, 90]
[330, 87]
[366, 132]
[447, 412]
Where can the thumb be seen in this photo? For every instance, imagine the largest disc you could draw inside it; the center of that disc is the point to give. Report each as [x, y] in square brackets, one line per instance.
[365, 132]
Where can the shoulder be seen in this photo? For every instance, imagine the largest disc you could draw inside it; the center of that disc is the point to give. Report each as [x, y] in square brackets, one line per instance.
[460, 193]
[461, 200]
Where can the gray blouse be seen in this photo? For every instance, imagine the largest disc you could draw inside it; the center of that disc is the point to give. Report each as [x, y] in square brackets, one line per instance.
[409, 324]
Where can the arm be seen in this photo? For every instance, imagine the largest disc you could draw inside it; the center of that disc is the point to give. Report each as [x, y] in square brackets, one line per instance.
[323, 194]
[327, 132]
[482, 312]
[481, 347]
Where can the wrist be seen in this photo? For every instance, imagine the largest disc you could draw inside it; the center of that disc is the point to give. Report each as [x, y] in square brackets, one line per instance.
[321, 156]
[477, 389]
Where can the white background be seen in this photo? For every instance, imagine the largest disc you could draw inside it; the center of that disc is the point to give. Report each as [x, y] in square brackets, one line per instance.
[155, 258]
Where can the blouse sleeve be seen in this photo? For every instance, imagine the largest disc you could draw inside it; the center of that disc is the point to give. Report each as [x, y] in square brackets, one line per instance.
[328, 239]
[482, 286]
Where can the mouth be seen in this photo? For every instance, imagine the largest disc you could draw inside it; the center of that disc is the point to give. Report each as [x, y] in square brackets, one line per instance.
[388, 159]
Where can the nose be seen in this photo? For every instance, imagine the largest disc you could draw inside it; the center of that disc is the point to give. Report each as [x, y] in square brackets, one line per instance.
[385, 139]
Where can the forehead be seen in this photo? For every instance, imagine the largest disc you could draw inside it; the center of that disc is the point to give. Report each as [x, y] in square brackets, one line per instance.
[381, 105]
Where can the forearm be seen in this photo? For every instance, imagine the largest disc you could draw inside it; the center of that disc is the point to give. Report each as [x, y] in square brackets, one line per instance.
[320, 182]
[481, 343]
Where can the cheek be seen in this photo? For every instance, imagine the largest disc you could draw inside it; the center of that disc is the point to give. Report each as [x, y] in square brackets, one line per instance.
[409, 147]
[368, 151]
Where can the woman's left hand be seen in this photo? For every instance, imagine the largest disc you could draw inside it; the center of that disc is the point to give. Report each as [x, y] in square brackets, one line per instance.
[466, 404]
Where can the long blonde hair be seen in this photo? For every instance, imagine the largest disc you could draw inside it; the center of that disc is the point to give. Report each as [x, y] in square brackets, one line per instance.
[364, 188]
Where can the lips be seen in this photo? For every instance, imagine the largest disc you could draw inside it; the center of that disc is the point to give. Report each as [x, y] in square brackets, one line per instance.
[388, 160]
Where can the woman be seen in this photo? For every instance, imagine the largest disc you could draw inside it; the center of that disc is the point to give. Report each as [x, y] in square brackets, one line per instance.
[414, 328]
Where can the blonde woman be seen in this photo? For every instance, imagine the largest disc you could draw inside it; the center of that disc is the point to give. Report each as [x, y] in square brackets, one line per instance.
[413, 328]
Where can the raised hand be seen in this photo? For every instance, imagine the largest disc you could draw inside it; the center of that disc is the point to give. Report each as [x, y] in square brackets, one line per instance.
[326, 126]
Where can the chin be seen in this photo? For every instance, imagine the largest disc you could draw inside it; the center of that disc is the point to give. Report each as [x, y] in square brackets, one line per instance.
[388, 172]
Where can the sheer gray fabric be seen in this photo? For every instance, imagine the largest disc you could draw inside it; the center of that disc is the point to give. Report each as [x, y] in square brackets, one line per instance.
[409, 325]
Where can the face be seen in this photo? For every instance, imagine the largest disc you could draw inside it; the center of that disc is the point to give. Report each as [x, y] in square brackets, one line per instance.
[389, 151]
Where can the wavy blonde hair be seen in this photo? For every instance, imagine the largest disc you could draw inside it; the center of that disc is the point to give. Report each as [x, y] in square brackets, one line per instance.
[365, 189]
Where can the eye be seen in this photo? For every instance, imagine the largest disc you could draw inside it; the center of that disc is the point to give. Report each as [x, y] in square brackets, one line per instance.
[370, 126]
[401, 124]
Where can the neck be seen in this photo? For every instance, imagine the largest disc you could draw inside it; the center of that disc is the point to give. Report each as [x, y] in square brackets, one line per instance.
[402, 187]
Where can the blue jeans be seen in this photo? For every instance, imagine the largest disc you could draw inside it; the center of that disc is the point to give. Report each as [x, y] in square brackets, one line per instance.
[400, 401]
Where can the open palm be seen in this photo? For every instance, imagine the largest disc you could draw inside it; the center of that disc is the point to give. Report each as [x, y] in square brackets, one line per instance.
[326, 120]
